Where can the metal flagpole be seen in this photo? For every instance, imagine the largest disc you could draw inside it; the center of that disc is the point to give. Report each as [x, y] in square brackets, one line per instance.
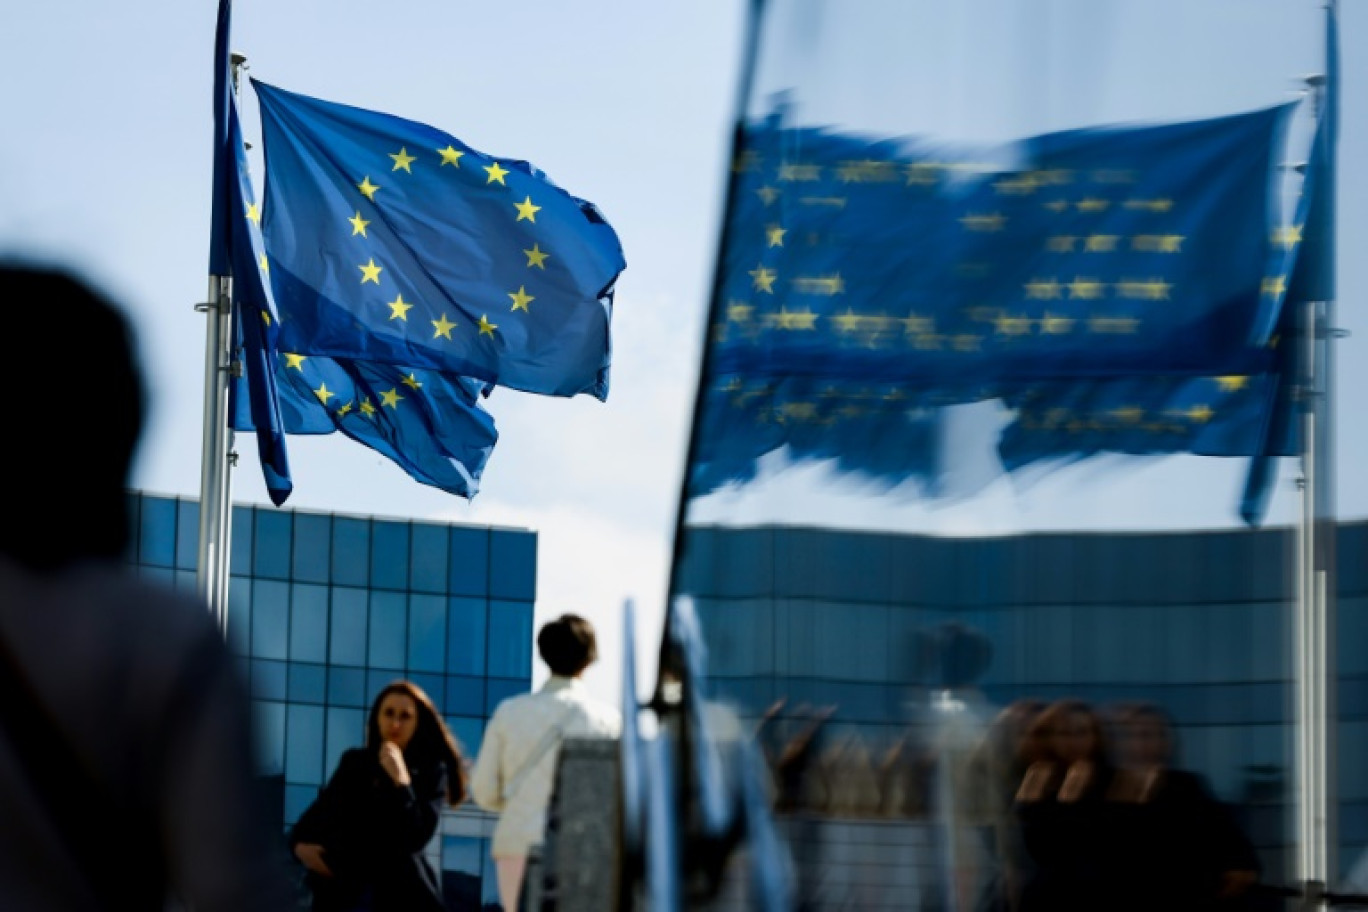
[217, 456]
[1315, 671]
[212, 556]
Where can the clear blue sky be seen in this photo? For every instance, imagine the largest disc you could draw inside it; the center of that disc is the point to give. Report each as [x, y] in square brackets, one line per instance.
[105, 164]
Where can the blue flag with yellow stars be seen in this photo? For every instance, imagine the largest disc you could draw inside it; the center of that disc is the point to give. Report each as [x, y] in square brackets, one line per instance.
[236, 250]
[394, 242]
[431, 425]
[1132, 250]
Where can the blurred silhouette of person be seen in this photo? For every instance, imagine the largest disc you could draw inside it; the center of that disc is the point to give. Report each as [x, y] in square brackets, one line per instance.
[1182, 848]
[517, 762]
[362, 838]
[1061, 805]
[1000, 764]
[125, 741]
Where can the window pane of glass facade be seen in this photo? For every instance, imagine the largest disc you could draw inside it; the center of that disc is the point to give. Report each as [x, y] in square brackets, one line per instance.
[427, 633]
[270, 619]
[347, 686]
[133, 505]
[241, 545]
[269, 719]
[268, 679]
[271, 553]
[312, 545]
[308, 683]
[389, 555]
[468, 732]
[351, 551]
[428, 561]
[157, 532]
[347, 638]
[469, 565]
[304, 744]
[346, 729]
[462, 870]
[512, 565]
[187, 534]
[510, 639]
[309, 623]
[388, 628]
[466, 628]
[240, 614]
[464, 696]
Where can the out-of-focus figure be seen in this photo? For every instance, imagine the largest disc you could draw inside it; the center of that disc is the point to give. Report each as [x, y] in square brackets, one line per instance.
[515, 769]
[362, 839]
[1181, 849]
[1062, 807]
[125, 743]
[999, 766]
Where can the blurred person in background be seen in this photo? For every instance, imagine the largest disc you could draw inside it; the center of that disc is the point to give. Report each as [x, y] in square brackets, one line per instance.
[515, 770]
[1182, 850]
[362, 839]
[999, 765]
[1061, 805]
[125, 742]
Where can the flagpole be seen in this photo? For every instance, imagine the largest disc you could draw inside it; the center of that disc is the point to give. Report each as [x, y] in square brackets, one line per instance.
[217, 457]
[212, 557]
[1315, 616]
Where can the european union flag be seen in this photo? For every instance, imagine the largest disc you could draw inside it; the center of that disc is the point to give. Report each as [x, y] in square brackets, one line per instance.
[394, 242]
[236, 250]
[1084, 253]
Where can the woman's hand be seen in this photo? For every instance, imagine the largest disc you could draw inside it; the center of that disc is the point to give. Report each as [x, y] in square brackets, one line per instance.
[1077, 781]
[392, 761]
[311, 854]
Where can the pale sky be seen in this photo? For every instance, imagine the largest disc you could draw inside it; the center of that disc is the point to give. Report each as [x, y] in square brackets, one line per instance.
[105, 162]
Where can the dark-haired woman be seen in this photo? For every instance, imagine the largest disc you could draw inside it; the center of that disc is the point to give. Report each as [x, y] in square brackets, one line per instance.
[362, 839]
[1061, 804]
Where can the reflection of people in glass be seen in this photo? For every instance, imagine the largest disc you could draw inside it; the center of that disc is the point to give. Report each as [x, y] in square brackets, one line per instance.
[1000, 764]
[1183, 851]
[1061, 807]
[362, 839]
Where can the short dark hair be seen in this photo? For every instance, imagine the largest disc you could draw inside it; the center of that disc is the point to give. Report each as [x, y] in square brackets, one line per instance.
[567, 645]
[91, 408]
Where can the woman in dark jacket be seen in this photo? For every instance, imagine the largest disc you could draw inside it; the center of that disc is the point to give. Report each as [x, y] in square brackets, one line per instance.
[362, 839]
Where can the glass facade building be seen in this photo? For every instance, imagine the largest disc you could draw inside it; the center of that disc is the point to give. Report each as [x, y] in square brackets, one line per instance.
[1200, 623]
[326, 609]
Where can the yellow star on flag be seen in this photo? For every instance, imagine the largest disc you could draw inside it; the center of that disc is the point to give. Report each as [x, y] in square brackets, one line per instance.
[412, 382]
[344, 410]
[764, 279]
[496, 173]
[366, 408]
[265, 266]
[1231, 384]
[526, 210]
[370, 272]
[324, 394]
[367, 188]
[487, 328]
[402, 160]
[399, 308]
[450, 156]
[443, 327]
[295, 361]
[536, 257]
[521, 299]
[774, 235]
[391, 398]
[253, 213]
[358, 225]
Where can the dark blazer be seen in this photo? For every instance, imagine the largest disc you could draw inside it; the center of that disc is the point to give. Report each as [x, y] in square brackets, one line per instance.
[373, 833]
